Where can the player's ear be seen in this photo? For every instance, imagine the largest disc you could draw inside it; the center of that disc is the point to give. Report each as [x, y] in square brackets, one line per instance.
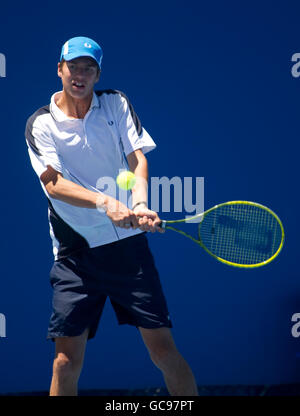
[59, 69]
[98, 75]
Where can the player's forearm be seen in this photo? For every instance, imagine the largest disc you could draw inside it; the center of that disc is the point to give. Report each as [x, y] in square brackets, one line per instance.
[140, 191]
[139, 167]
[74, 194]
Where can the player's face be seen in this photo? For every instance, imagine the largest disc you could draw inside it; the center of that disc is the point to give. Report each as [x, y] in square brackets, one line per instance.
[79, 76]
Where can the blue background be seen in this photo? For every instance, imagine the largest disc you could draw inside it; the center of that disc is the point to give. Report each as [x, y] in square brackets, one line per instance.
[212, 83]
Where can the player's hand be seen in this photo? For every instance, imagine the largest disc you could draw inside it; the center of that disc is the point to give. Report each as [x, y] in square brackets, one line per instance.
[120, 215]
[148, 220]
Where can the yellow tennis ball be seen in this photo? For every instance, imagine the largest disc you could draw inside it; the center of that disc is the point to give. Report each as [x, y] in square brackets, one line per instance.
[126, 180]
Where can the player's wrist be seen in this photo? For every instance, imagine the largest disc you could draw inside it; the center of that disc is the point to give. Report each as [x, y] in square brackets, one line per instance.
[102, 202]
[140, 204]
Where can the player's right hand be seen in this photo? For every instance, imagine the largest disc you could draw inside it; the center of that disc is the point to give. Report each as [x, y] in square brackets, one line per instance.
[120, 215]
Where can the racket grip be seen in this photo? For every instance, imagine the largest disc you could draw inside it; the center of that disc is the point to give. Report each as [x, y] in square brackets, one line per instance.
[163, 224]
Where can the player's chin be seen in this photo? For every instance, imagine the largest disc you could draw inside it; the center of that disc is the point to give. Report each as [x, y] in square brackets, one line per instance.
[82, 92]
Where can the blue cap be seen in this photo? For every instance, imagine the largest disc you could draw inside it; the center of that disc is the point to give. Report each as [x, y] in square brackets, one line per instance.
[81, 46]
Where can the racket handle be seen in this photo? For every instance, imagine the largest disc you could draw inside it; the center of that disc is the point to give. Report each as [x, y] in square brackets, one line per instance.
[163, 224]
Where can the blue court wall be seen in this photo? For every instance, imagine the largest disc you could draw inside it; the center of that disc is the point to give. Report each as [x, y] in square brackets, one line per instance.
[216, 87]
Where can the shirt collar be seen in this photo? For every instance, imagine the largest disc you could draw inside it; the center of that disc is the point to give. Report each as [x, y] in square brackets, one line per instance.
[59, 115]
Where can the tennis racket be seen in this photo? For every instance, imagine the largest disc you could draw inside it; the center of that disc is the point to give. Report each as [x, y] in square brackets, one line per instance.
[238, 233]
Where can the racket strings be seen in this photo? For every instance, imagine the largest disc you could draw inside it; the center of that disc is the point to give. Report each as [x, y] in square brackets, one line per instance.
[240, 233]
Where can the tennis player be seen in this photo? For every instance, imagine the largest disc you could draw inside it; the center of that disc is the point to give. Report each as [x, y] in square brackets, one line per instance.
[99, 243]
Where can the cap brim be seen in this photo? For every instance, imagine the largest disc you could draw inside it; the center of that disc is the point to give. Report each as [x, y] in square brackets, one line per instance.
[70, 56]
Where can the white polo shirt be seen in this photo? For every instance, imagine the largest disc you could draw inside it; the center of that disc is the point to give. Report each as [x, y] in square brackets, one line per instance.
[85, 151]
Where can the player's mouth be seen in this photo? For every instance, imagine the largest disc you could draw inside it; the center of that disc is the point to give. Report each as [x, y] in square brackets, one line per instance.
[78, 85]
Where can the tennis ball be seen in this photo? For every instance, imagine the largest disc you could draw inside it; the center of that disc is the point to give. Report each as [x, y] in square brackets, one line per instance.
[126, 180]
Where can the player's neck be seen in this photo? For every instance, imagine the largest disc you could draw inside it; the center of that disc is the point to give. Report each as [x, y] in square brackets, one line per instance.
[73, 107]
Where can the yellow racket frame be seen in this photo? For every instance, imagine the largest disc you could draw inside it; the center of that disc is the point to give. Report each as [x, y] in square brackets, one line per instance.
[229, 263]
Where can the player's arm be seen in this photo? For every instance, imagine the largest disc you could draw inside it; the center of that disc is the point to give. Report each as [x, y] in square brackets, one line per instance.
[60, 188]
[148, 220]
[67, 191]
[138, 164]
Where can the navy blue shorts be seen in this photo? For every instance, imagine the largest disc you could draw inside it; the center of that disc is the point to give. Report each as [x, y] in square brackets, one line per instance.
[124, 271]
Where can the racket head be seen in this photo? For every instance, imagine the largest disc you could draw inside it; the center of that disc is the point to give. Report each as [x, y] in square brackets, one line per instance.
[241, 233]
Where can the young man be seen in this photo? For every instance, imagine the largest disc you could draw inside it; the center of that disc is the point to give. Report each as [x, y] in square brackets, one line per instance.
[99, 243]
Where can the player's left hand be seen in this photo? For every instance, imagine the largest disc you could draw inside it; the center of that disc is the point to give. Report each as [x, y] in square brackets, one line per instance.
[148, 220]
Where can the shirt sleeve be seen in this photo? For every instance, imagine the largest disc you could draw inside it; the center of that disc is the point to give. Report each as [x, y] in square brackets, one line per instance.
[41, 148]
[133, 134]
